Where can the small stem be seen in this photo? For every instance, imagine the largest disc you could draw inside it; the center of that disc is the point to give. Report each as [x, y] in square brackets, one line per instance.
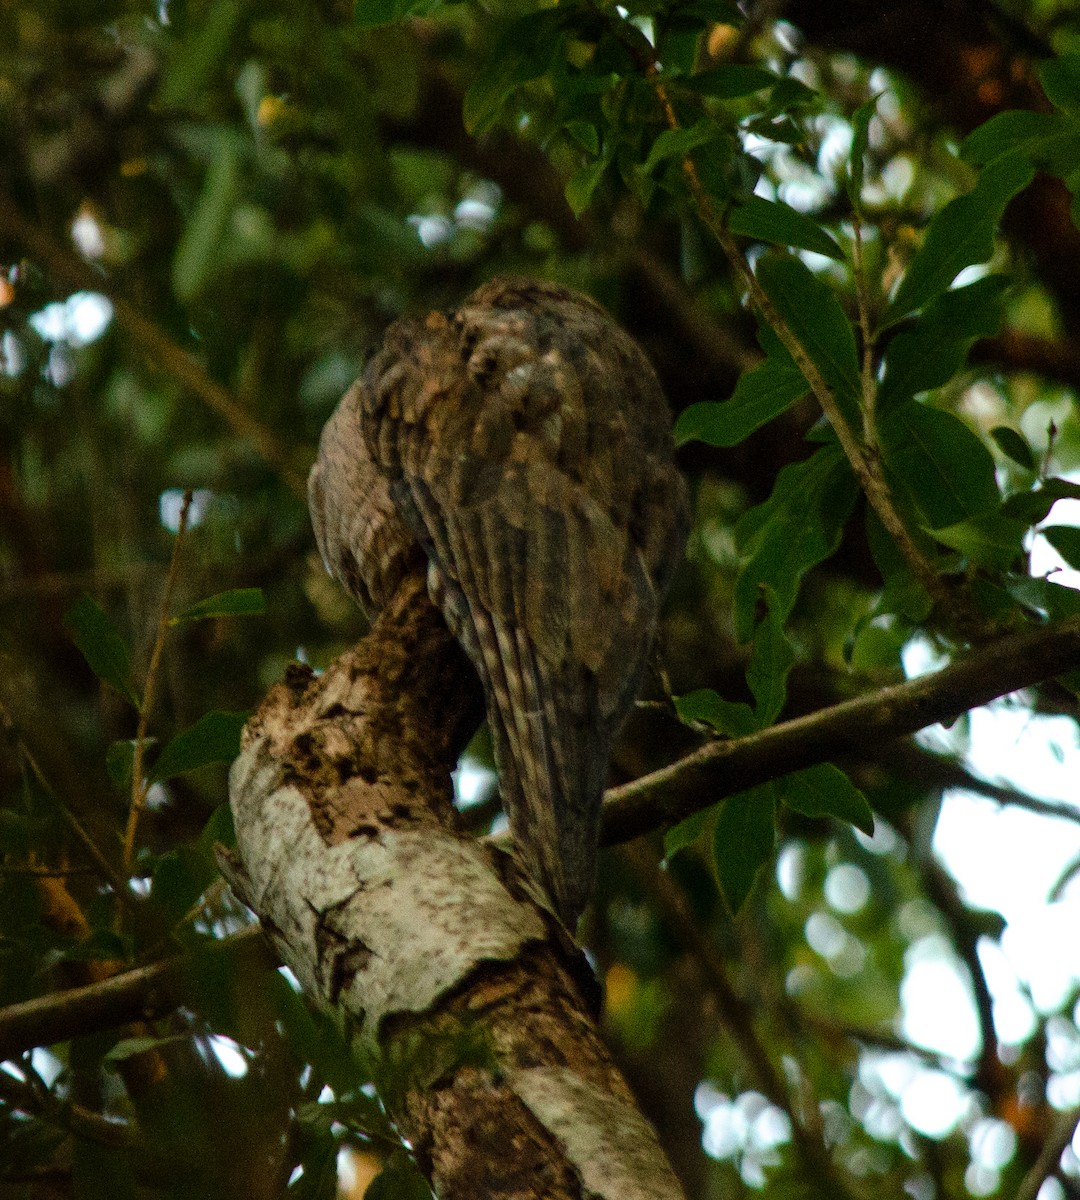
[862, 300]
[139, 784]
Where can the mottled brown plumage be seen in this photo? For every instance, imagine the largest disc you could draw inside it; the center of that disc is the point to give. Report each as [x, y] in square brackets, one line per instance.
[523, 446]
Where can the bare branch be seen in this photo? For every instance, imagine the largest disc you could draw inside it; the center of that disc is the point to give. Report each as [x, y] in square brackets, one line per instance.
[723, 768]
[141, 994]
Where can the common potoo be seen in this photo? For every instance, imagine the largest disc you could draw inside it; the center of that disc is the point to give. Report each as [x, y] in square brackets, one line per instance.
[522, 446]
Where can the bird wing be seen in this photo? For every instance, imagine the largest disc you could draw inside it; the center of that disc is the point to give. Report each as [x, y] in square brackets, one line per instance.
[510, 454]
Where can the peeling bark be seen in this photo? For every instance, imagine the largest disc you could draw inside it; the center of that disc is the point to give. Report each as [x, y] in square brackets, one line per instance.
[439, 948]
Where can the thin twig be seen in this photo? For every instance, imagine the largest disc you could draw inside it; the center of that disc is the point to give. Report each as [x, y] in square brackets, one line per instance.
[139, 784]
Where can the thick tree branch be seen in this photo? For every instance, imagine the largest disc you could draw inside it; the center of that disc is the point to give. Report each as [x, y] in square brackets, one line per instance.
[436, 948]
[723, 768]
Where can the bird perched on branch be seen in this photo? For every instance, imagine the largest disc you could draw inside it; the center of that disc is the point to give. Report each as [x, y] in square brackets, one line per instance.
[522, 446]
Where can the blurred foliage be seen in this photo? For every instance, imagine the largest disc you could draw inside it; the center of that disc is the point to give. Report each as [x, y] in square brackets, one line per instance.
[209, 211]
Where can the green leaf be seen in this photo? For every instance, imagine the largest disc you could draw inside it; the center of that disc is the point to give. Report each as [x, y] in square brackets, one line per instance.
[795, 529]
[811, 311]
[199, 253]
[933, 350]
[522, 53]
[120, 761]
[744, 836]
[1066, 541]
[214, 738]
[860, 143]
[584, 133]
[903, 593]
[1015, 446]
[194, 62]
[782, 225]
[1051, 600]
[825, 791]
[102, 647]
[946, 470]
[677, 143]
[733, 718]
[581, 185]
[960, 235]
[134, 1046]
[383, 12]
[1045, 139]
[399, 1180]
[239, 602]
[992, 540]
[180, 877]
[687, 833]
[792, 93]
[759, 396]
[771, 660]
[731, 81]
[1034, 506]
[1060, 78]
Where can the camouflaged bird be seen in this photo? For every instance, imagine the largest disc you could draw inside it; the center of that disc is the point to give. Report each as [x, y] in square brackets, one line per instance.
[522, 446]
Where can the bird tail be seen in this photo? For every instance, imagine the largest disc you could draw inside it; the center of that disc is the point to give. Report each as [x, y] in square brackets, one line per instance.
[551, 749]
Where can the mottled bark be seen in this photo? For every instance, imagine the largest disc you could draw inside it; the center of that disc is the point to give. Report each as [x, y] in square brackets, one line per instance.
[439, 948]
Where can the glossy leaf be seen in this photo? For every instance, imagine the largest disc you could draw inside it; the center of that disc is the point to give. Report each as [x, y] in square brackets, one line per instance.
[1066, 541]
[933, 350]
[687, 833]
[1046, 139]
[521, 54]
[860, 143]
[946, 469]
[198, 255]
[809, 308]
[676, 143]
[992, 540]
[903, 593]
[102, 647]
[214, 738]
[781, 225]
[238, 602]
[581, 185]
[733, 718]
[771, 660]
[744, 836]
[961, 235]
[760, 395]
[1060, 78]
[1015, 446]
[1034, 506]
[730, 81]
[825, 791]
[795, 529]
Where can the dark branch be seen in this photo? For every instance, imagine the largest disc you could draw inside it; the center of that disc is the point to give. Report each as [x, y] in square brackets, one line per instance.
[723, 768]
[138, 995]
